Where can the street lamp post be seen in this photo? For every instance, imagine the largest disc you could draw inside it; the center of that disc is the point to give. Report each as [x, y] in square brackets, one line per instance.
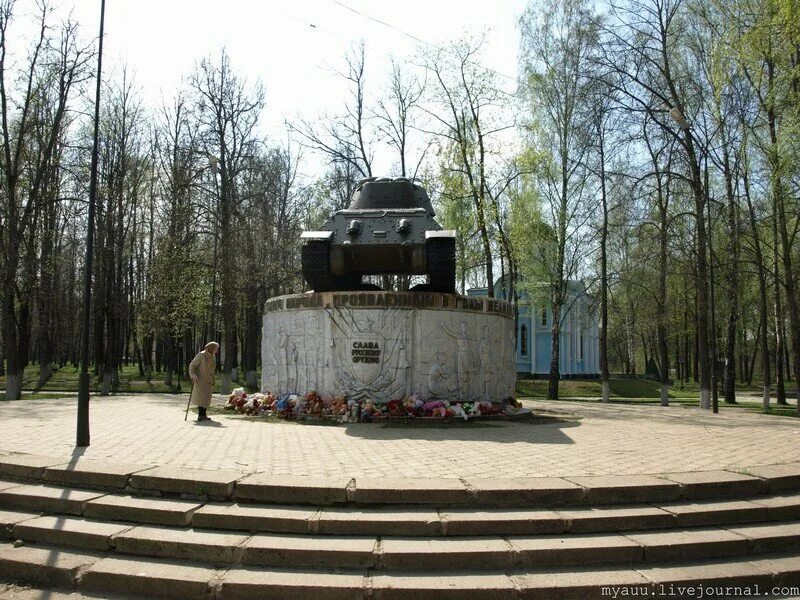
[681, 121]
[82, 436]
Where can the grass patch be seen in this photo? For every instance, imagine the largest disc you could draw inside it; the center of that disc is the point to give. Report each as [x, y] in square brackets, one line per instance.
[633, 389]
[65, 380]
[779, 411]
[42, 395]
[641, 389]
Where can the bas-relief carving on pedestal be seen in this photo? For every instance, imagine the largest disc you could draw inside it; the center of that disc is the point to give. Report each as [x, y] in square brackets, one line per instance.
[386, 353]
[369, 350]
[466, 356]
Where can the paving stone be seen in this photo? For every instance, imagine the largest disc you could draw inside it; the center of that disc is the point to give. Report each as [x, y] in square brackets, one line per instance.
[148, 577]
[689, 544]
[627, 489]
[786, 569]
[438, 553]
[307, 551]
[783, 507]
[14, 592]
[183, 544]
[717, 512]
[707, 573]
[467, 521]
[779, 478]
[47, 498]
[285, 489]
[379, 521]
[243, 517]
[525, 491]
[771, 537]
[69, 531]
[580, 584]
[616, 518]
[277, 584]
[158, 511]
[92, 473]
[195, 482]
[43, 565]
[4, 485]
[27, 466]
[442, 586]
[698, 485]
[610, 438]
[411, 491]
[565, 550]
[8, 518]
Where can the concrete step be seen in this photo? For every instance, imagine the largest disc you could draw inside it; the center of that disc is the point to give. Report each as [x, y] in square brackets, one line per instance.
[774, 574]
[227, 548]
[19, 501]
[233, 486]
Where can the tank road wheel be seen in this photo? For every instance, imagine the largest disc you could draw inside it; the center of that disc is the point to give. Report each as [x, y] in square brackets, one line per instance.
[315, 261]
[442, 264]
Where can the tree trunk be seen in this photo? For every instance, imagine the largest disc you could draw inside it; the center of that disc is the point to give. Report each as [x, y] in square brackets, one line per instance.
[227, 281]
[780, 388]
[555, 351]
[604, 376]
[763, 304]
[251, 338]
[663, 349]
[2, 351]
[13, 344]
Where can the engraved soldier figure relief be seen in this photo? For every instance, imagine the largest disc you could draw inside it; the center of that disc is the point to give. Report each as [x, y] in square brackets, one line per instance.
[487, 364]
[463, 353]
[439, 378]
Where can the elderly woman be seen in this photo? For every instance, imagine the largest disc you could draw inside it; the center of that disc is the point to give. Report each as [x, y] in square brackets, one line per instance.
[202, 370]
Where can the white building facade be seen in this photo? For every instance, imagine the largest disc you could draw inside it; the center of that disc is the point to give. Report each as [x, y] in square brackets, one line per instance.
[580, 341]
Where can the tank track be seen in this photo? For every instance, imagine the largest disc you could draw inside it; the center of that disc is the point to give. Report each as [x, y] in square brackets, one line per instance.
[441, 254]
[314, 259]
[315, 263]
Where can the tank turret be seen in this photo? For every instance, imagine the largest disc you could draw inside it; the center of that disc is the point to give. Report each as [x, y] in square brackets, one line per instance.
[388, 228]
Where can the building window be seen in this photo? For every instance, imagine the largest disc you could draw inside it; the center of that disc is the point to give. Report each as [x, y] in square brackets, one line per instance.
[544, 317]
[523, 340]
[580, 348]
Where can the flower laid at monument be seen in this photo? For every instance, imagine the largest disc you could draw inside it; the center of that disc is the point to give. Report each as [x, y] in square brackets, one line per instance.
[313, 406]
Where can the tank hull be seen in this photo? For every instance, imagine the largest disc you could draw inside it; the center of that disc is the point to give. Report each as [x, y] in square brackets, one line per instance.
[389, 229]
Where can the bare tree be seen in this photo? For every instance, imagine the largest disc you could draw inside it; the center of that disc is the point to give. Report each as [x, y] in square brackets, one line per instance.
[228, 110]
[395, 116]
[465, 110]
[642, 45]
[347, 138]
[56, 65]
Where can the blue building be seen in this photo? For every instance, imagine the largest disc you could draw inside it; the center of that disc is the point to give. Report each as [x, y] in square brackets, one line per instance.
[580, 343]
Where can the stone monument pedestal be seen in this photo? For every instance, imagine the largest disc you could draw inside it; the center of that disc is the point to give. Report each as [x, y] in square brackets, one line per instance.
[382, 346]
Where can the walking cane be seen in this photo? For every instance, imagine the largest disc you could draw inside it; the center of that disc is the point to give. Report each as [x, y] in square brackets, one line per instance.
[186, 416]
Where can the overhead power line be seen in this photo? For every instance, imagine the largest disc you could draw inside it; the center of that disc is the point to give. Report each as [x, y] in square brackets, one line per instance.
[416, 38]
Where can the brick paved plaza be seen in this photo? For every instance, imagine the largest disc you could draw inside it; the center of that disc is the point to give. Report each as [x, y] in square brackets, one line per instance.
[567, 438]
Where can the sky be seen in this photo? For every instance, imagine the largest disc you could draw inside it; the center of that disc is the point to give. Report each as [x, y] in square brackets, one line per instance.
[293, 48]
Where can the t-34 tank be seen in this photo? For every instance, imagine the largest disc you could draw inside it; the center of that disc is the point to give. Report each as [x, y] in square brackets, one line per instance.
[387, 229]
